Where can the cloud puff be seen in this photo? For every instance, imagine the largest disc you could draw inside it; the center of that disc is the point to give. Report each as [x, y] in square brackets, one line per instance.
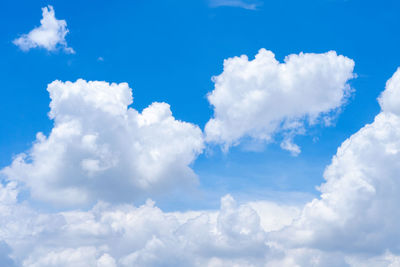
[357, 211]
[389, 100]
[98, 146]
[50, 35]
[246, 4]
[262, 97]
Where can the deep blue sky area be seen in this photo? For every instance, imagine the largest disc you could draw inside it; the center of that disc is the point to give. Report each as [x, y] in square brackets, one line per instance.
[168, 51]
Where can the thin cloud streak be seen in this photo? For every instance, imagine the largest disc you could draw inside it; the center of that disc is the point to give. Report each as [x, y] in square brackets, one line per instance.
[250, 5]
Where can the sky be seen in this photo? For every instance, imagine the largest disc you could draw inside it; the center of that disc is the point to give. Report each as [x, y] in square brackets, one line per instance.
[199, 133]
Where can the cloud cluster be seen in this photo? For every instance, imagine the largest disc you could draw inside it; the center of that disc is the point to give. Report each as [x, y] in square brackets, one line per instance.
[50, 35]
[261, 98]
[98, 146]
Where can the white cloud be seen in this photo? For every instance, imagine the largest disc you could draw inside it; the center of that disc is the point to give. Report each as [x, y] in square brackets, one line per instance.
[246, 4]
[50, 35]
[390, 98]
[98, 147]
[261, 98]
[357, 211]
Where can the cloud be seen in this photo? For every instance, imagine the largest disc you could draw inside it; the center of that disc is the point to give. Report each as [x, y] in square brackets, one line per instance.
[246, 4]
[389, 100]
[125, 235]
[50, 35]
[98, 146]
[357, 211]
[262, 98]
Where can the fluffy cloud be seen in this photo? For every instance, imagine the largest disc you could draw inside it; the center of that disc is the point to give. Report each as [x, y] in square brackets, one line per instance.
[99, 146]
[357, 211]
[389, 100]
[262, 97]
[50, 35]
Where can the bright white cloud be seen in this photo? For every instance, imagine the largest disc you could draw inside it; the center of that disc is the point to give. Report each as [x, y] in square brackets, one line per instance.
[357, 211]
[390, 98]
[98, 146]
[261, 98]
[50, 35]
[246, 4]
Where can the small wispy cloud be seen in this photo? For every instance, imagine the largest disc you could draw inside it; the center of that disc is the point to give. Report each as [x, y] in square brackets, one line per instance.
[246, 4]
[50, 35]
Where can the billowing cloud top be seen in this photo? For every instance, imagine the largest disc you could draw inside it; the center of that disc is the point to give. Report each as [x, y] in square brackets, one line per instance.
[98, 147]
[262, 97]
[50, 35]
[390, 98]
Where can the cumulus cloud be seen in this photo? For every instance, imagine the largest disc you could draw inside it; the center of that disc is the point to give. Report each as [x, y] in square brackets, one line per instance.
[98, 146]
[50, 35]
[389, 100]
[357, 211]
[246, 4]
[261, 98]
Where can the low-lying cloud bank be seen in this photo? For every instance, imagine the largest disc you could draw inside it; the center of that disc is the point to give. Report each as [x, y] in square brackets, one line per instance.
[353, 223]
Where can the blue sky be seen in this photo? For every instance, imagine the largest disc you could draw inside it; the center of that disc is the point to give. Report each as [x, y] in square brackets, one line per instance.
[168, 51]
